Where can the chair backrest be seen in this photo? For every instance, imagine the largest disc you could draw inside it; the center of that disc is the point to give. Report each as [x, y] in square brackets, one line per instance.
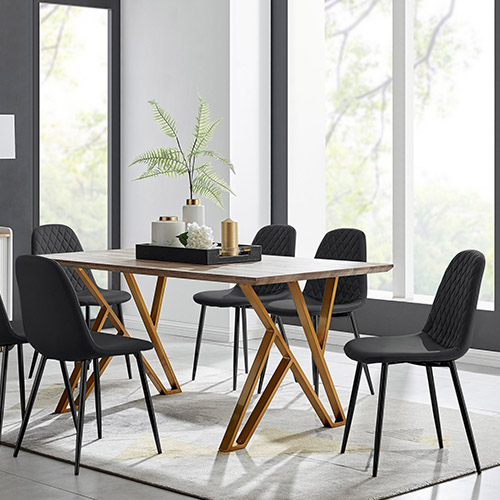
[58, 238]
[452, 313]
[275, 239]
[341, 244]
[52, 317]
[6, 334]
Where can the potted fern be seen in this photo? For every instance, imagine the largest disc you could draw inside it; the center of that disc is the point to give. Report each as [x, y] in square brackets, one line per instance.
[194, 162]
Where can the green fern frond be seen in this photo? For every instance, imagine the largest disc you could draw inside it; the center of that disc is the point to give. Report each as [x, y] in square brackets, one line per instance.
[209, 191]
[217, 156]
[156, 172]
[166, 122]
[174, 162]
[203, 118]
[209, 175]
[165, 160]
[205, 136]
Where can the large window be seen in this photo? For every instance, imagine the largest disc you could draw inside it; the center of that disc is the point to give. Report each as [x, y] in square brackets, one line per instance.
[78, 98]
[74, 120]
[450, 106]
[359, 124]
[454, 137]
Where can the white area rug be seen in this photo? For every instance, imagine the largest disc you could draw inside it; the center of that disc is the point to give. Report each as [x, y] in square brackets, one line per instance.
[290, 457]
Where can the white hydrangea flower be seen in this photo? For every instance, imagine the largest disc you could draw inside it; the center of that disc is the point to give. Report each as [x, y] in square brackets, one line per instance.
[201, 237]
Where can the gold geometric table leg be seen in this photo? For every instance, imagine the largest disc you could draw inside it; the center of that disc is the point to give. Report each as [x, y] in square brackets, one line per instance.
[105, 312]
[231, 441]
[150, 321]
[317, 340]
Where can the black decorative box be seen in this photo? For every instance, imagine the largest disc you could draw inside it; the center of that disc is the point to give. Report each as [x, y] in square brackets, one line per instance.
[147, 251]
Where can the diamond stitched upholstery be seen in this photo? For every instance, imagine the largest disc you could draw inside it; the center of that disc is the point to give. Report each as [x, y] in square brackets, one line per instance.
[275, 239]
[447, 334]
[57, 238]
[341, 244]
[450, 320]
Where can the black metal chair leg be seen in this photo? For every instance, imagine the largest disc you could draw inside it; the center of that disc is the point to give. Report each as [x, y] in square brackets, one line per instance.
[465, 415]
[149, 401]
[127, 357]
[365, 366]
[22, 386]
[3, 384]
[69, 392]
[236, 346]
[201, 322]
[97, 391]
[245, 336]
[31, 402]
[314, 367]
[129, 366]
[81, 415]
[380, 417]
[352, 406]
[435, 407]
[33, 364]
[87, 316]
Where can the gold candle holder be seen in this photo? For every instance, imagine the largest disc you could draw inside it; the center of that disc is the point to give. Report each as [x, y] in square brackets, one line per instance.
[229, 232]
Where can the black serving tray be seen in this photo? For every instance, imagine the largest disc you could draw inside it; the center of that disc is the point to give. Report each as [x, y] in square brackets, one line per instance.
[147, 251]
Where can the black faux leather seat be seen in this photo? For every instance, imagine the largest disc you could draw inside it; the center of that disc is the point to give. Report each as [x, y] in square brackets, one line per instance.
[275, 239]
[234, 296]
[11, 334]
[446, 336]
[401, 349]
[338, 244]
[58, 238]
[46, 293]
[284, 307]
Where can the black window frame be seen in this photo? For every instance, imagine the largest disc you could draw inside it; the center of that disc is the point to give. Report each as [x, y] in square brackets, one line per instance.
[114, 117]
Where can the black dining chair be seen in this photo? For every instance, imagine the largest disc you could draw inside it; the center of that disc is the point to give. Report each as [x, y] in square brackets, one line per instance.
[58, 238]
[46, 293]
[446, 337]
[275, 239]
[10, 335]
[338, 244]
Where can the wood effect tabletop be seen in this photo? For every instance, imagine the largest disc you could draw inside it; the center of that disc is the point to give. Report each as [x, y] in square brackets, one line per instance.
[271, 269]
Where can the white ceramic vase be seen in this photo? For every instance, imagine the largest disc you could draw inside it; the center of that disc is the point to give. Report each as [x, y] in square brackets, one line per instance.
[165, 231]
[193, 211]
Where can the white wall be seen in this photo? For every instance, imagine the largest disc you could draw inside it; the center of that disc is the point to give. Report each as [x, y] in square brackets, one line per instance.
[306, 123]
[250, 101]
[171, 50]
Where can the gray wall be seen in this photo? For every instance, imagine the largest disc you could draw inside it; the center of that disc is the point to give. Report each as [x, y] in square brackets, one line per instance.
[16, 91]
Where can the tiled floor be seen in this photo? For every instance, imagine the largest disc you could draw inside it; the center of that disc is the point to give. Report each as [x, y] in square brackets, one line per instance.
[32, 476]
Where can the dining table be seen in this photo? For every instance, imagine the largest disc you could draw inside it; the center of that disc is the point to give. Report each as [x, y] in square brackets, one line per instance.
[270, 270]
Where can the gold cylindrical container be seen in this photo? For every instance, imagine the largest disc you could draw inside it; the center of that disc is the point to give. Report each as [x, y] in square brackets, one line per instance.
[229, 233]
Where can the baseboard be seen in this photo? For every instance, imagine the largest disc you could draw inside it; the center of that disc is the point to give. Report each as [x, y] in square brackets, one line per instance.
[189, 330]
[295, 334]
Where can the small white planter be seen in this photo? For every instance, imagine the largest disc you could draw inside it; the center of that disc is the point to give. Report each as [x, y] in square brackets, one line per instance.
[165, 232]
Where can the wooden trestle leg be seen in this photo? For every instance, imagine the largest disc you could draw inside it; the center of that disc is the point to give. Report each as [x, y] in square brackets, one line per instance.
[317, 342]
[150, 321]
